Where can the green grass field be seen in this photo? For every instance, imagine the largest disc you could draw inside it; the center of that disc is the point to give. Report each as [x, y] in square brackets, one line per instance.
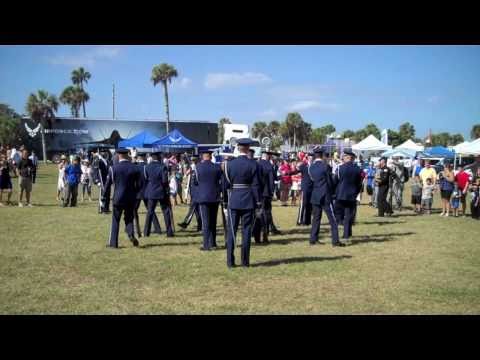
[53, 260]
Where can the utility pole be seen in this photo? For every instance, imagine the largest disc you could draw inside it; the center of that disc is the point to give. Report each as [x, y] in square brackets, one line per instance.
[113, 101]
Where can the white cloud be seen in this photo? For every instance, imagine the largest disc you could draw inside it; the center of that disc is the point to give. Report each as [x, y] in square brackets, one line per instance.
[86, 58]
[311, 104]
[218, 80]
[185, 82]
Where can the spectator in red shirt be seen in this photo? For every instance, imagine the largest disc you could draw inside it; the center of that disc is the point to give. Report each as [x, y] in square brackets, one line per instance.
[285, 182]
[462, 179]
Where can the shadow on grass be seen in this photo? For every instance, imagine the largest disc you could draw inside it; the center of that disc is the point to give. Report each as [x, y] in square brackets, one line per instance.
[380, 222]
[361, 239]
[146, 246]
[300, 260]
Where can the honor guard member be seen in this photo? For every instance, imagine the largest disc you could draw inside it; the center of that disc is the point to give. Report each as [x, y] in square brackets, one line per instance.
[208, 181]
[140, 163]
[268, 178]
[157, 190]
[382, 180]
[103, 169]
[125, 177]
[306, 185]
[244, 198]
[225, 191]
[194, 209]
[321, 175]
[349, 184]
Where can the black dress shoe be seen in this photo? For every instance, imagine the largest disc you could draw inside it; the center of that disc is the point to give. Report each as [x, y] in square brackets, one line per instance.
[339, 244]
[313, 243]
[170, 235]
[134, 241]
[276, 232]
[231, 266]
[246, 265]
[182, 225]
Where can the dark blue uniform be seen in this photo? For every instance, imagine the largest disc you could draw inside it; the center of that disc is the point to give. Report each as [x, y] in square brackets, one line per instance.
[267, 183]
[243, 199]
[157, 191]
[207, 181]
[125, 177]
[141, 197]
[103, 171]
[349, 184]
[305, 209]
[321, 199]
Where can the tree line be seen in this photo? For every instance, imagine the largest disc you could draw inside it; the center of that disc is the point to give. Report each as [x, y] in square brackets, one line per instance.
[296, 131]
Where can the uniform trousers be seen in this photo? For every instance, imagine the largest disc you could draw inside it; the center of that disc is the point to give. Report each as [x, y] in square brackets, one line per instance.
[156, 223]
[127, 210]
[263, 224]
[317, 216]
[208, 213]
[349, 211]
[305, 209]
[234, 216]
[383, 205]
[167, 215]
[194, 209]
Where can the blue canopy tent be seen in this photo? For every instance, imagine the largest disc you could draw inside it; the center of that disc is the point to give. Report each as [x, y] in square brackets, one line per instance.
[174, 141]
[437, 152]
[144, 139]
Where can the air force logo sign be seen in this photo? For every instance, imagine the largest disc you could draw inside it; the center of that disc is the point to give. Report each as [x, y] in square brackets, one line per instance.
[32, 132]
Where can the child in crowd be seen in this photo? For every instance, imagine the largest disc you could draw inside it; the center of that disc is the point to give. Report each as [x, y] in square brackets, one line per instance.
[416, 186]
[455, 202]
[173, 188]
[427, 196]
[475, 203]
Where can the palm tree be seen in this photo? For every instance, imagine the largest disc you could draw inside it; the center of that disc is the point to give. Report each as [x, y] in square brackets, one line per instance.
[73, 96]
[164, 73]
[80, 76]
[259, 129]
[42, 108]
[475, 132]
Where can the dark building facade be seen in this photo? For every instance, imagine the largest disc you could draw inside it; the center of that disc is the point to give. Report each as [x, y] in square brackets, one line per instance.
[67, 134]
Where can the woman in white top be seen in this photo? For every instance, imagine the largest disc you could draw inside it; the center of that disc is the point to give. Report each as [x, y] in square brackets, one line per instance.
[173, 189]
[86, 180]
[61, 174]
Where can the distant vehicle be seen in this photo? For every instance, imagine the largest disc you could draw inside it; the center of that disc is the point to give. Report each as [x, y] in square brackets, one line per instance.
[232, 132]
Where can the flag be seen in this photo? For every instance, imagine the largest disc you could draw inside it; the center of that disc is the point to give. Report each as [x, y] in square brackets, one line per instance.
[385, 136]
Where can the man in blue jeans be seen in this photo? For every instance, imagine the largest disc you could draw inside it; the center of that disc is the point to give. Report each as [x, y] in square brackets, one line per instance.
[73, 173]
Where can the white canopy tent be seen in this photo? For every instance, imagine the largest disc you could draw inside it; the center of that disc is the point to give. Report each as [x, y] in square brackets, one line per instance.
[410, 145]
[472, 148]
[370, 144]
[459, 148]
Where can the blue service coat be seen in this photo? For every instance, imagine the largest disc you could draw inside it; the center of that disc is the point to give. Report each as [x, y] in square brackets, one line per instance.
[207, 182]
[268, 176]
[125, 176]
[244, 172]
[156, 177]
[321, 176]
[349, 182]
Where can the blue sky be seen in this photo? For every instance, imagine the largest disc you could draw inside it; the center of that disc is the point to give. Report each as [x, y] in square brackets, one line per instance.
[435, 87]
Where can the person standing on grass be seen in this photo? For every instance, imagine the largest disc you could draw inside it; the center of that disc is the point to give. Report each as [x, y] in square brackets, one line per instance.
[208, 179]
[370, 176]
[427, 195]
[86, 179]
[126, 179]
[463, 180]
[73, 173]
[321, 175]
[24, 173]
[349, 184]
[428, 172]
[5, 180]
[475, 203]
[446, 184]
[34, 159]
[61, 177]
[416, 189]
[173, 188]
[455, 200]
[306, 185]
[382, 179]
[194, 208]
[285, 182]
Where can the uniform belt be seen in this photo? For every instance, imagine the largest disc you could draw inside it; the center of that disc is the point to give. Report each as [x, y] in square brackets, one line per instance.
[241, 186]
